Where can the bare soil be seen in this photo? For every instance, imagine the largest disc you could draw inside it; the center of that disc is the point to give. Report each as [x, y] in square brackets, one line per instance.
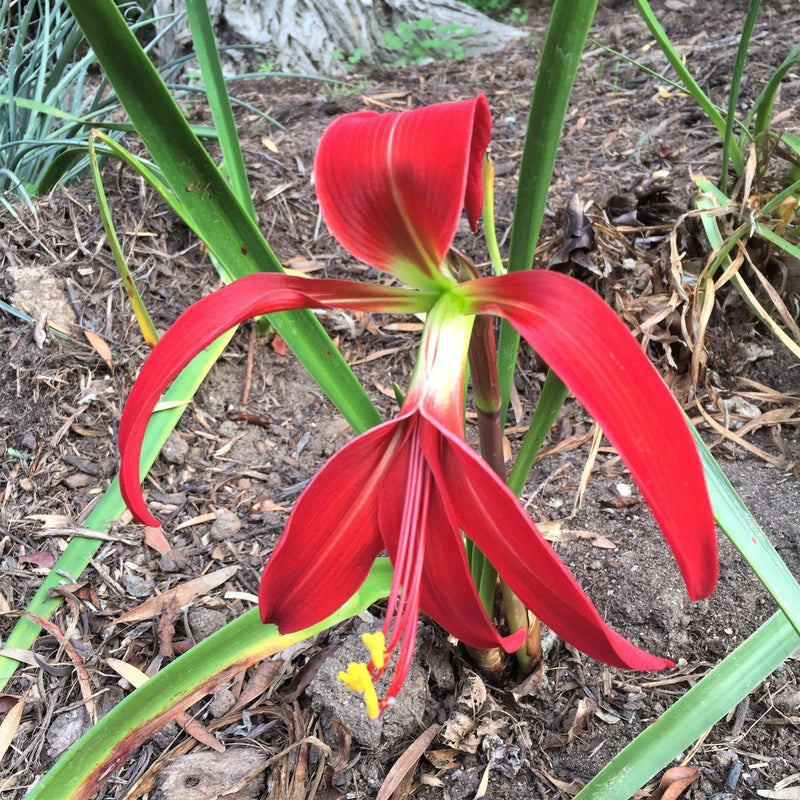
[259, 429]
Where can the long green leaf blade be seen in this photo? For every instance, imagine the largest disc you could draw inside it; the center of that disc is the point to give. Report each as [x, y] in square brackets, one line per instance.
[700, 708]
[561, 55]
[229, 232]
[241, 643]
[111, 506]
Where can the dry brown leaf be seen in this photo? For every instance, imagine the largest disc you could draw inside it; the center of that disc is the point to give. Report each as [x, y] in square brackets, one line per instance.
[584, 711]
[10, 724]
[136, 678]
[154, 537]
[673, 782]
[100, 347]
[181, 595]
[446, 758]
[406, 763]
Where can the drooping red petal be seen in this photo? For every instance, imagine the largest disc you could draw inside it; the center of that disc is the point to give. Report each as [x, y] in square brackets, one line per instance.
[391, 187]
[203, 322]
[447, 592]
[331, 537]
[494, 519]
[592, 351]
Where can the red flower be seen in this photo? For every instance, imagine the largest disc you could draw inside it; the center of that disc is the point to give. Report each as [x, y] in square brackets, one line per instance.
[391, 189]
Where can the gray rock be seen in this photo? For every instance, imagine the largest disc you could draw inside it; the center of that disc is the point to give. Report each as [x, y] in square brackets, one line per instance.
[205, 621]
[226, 524]
[211, 776]
[65, 730]
[333, 700]
[175, 449]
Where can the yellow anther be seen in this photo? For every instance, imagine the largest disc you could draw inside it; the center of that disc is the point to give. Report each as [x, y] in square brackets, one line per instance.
[358, 679]
[376, 644]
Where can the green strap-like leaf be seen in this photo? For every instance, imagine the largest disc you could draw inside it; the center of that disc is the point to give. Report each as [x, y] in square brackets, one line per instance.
[558, 65]
[700, 708]
[89, 763]
[226, 228]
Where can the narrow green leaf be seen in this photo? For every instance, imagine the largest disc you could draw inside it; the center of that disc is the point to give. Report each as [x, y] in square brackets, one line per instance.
[110, 507]
[733, 95]
[142, 316]
[745, 533]
[217, 92]
[561, 54]
[83, 769]
[700, 708]
[552, 398]
[691, 85]
[766, 100]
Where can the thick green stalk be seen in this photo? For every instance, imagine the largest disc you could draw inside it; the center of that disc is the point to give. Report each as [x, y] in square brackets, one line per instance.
[110, 507]
[561, 55]
[84, 768]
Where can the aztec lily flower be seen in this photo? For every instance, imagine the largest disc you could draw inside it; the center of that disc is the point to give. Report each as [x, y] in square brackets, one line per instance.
[391, 188]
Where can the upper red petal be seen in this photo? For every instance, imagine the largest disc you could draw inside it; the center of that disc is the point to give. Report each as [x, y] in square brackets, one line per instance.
[391, 187]
[331, 537]
[494, 519]
[592, 351]
[203, 322]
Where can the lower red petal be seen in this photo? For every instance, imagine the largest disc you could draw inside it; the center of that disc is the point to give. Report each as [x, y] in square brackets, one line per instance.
[494, 519]
[332, 537]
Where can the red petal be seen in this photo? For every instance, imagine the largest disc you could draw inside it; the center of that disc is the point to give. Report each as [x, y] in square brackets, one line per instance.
[493, 518]
[593, 352]
[331, 538]
[207, 319]
[391, 187]
[448, 592]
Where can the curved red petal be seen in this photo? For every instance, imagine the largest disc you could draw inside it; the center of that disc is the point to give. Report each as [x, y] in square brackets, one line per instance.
[447, 592]
[493, 518]
[596, 356]
[203, 322]
[391, 187]
[331, 537]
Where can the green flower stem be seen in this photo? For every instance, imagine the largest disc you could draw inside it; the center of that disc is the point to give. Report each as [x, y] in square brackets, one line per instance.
[84, 768]
[110, 507]
[558, 65]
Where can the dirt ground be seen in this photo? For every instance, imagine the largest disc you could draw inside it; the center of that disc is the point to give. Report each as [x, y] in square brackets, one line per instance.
[259, 429]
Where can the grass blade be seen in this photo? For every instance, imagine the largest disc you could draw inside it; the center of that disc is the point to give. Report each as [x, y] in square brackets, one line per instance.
[736, 80]
[690, 84]
[142, 316]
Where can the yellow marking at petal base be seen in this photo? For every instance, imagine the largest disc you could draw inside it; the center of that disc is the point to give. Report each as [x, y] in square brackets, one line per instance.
[376, 644]
[358, 679]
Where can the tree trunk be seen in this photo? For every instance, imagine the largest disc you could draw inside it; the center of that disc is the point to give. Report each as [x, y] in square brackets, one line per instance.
[317, 36]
